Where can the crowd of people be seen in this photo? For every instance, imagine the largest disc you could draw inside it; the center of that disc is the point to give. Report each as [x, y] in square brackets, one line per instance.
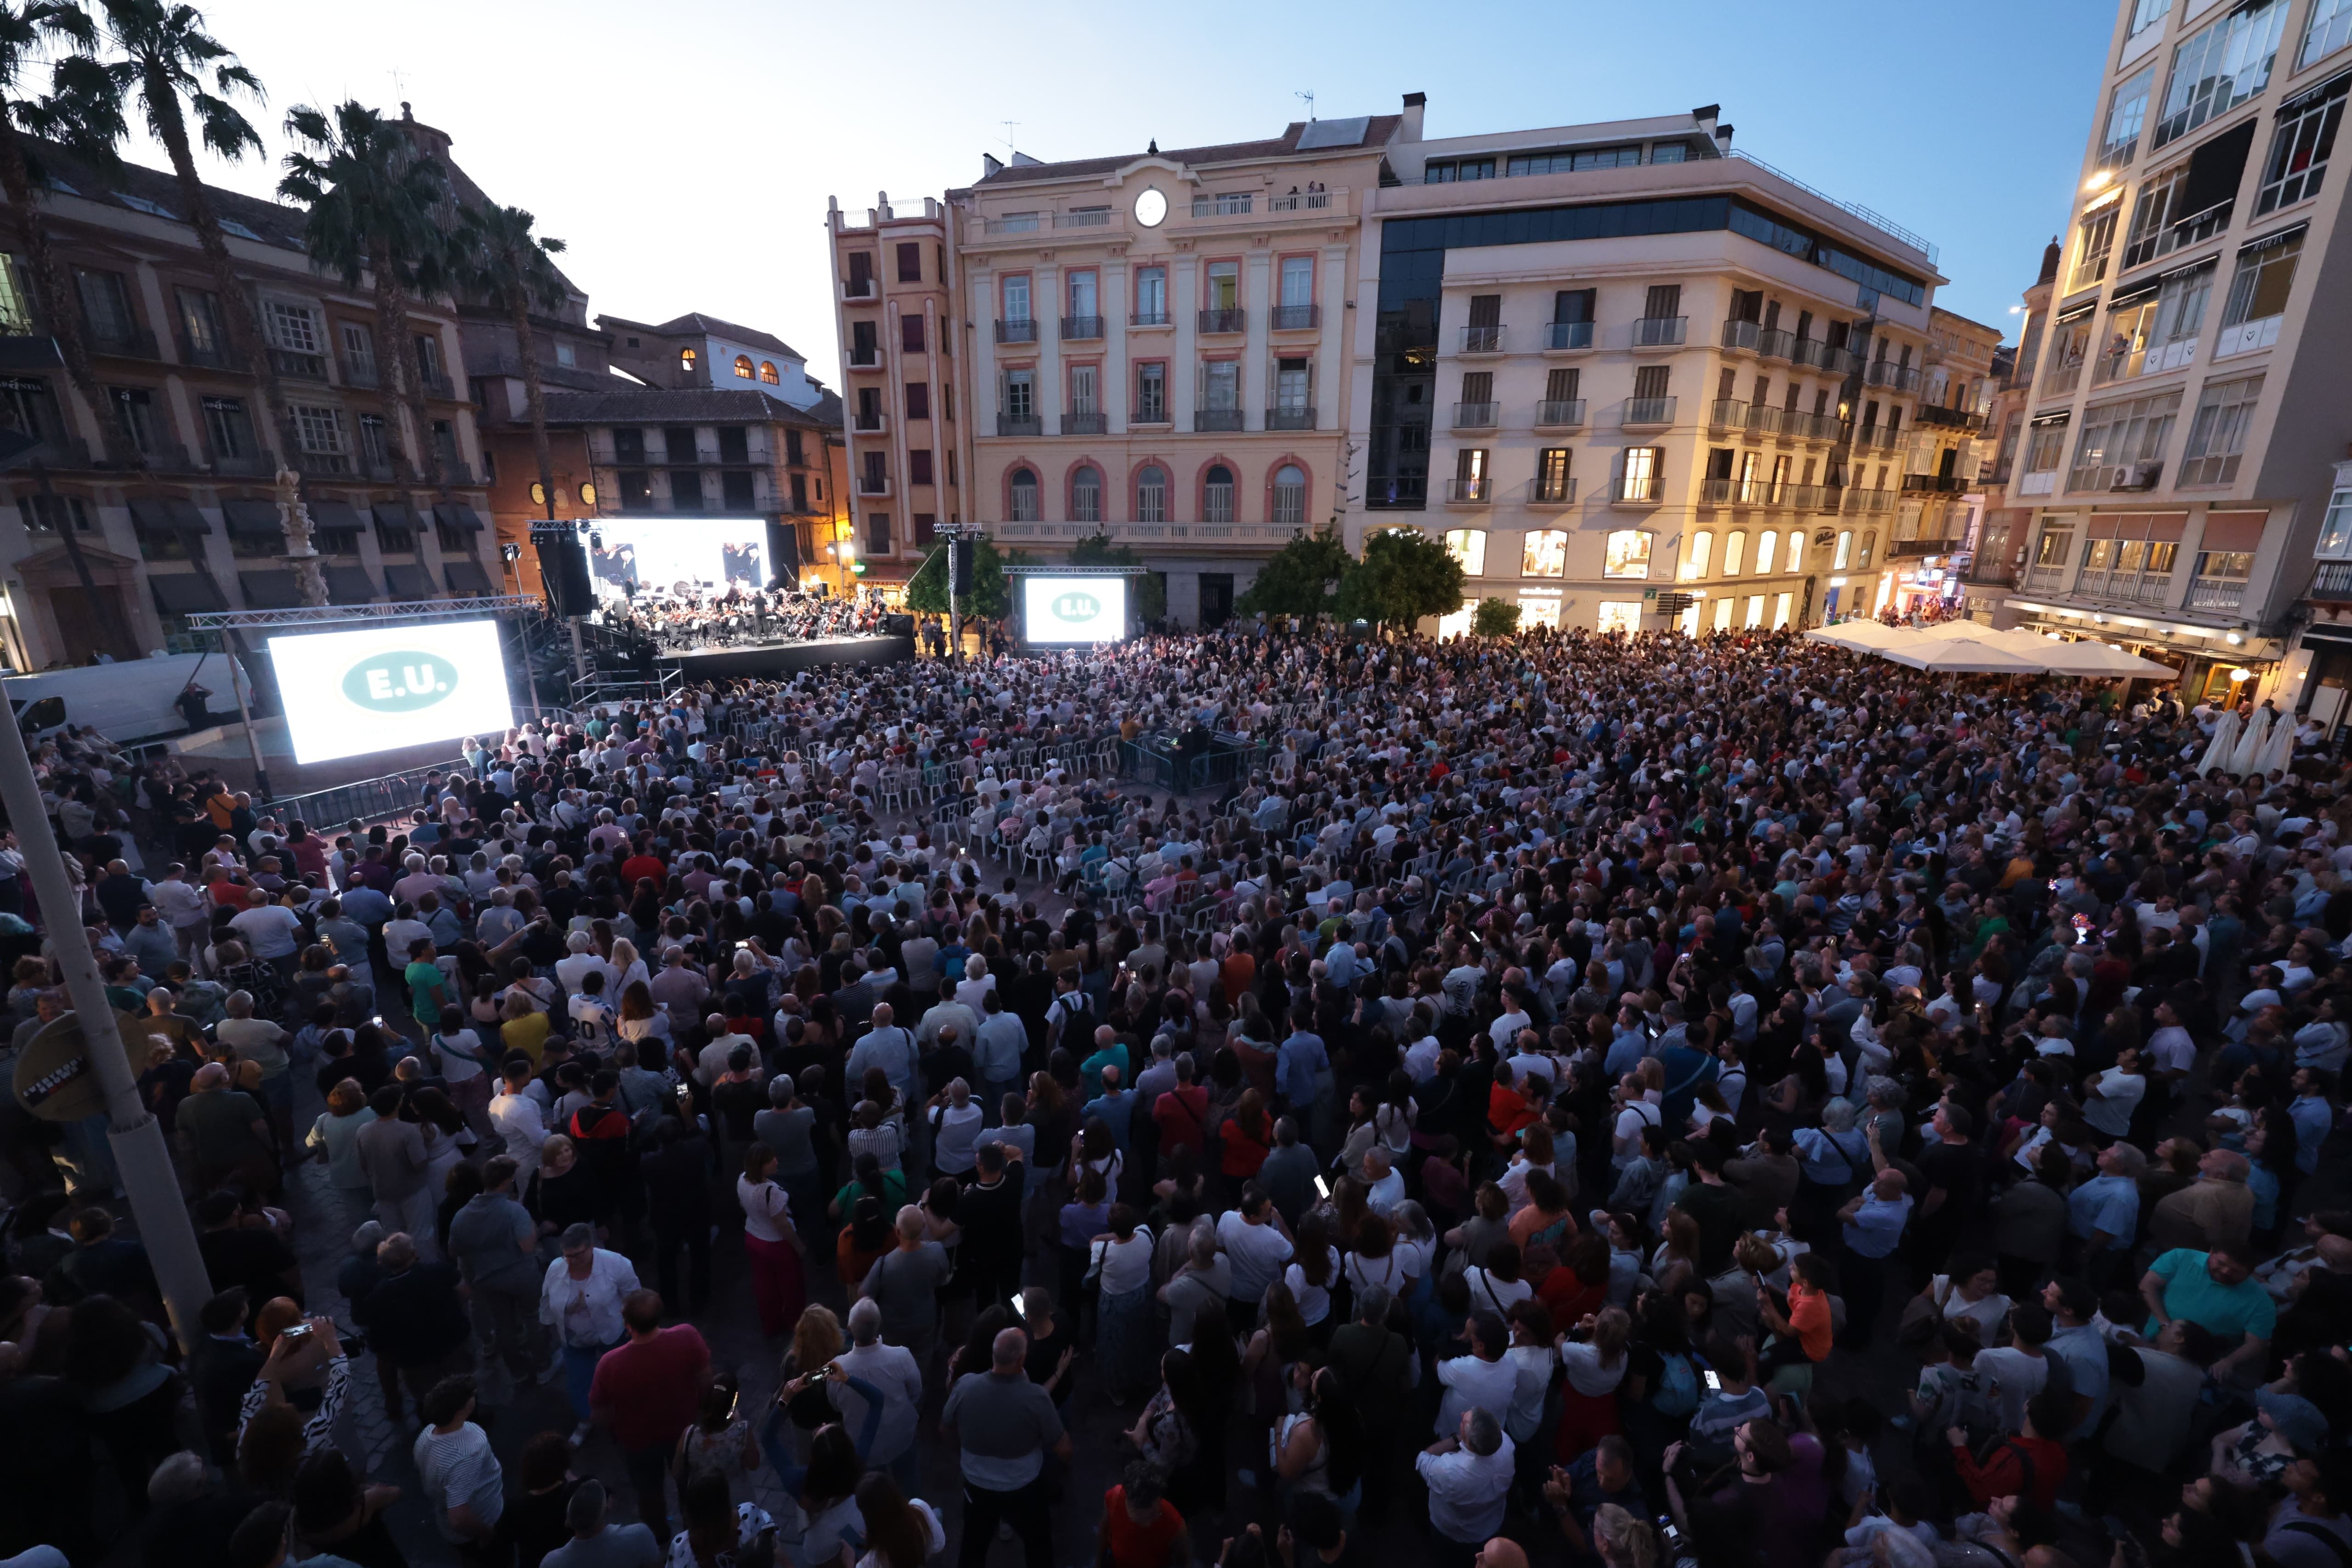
[1602, 1101]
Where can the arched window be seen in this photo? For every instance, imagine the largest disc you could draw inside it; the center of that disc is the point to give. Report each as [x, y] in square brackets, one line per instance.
[1217, 495]
[686, 360]
[1844, 556]
[1289, 497]
[1869, 544]
[1766, 544]
[1085, 495]
[1151, 494]
[1468, 546]
[1025, 495]
[1626, 554]
[1796, 561]
[768, 371]
[1695, 557]
[1735, 549]
[1544, 554]
[743, 366]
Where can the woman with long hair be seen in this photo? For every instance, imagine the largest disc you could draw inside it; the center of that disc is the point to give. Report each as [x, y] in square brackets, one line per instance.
[771, 1242]
[817, 1340]
[1594, 1355]
[1314, 1267]
[641, 1019]
[1320, 1447]
[1123, 1317]
[1244, 1140]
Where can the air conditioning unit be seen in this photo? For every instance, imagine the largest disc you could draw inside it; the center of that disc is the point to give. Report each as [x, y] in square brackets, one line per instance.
[2139, 476]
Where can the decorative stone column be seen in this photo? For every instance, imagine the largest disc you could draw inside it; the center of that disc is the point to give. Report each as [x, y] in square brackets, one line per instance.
[294, 518]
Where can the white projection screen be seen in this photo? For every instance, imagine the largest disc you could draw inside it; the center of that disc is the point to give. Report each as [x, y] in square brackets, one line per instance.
[667, 555]
[347, 694]
[1064, 611]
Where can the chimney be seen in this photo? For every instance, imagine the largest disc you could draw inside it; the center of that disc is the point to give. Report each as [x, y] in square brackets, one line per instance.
[990, 165]
[1414, 103]
[1704, 119]
[1723, 140]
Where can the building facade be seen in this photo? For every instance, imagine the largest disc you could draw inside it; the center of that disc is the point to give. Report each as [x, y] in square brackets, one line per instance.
[194, 526]
[2188, 408]
[1634, 380]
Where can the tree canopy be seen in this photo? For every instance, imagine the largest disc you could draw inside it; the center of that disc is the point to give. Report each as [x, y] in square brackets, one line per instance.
[1404, 576]
[1495, 618]
[1297, 580]
[991, 598]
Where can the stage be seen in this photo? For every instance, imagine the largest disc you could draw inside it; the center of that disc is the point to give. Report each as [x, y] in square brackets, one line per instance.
[780, 658]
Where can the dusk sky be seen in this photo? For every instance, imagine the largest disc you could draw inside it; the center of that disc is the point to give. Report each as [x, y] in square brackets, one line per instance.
[685, 151]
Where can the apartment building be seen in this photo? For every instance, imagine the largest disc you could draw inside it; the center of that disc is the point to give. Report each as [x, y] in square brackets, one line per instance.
[1150, 347]
[1941, 514]
[2188, 410]
[1634, 379]
[196, 528]
[1996, 552]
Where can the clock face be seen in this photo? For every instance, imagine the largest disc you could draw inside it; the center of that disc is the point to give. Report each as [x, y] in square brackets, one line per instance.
[1151, 208]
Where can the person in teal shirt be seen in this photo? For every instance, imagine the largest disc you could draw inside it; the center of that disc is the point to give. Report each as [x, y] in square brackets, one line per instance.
[2216, 1290]
[1090, 1070]
[428, 988]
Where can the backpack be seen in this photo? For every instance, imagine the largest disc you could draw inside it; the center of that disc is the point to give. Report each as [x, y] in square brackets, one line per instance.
[1678, 1390]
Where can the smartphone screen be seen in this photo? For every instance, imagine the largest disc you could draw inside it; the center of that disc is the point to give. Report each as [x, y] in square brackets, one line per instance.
[1322, 1188]
[1714, 1383]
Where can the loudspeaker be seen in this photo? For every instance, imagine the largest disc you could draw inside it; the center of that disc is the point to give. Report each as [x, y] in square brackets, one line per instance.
[898, 625]
[564, 570]
[784, 554]
[960, 558]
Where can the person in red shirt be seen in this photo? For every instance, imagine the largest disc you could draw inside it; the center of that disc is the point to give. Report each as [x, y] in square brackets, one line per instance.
[1182, 1114]
[1141, 1529]
[648, 1390]
[645, 865]
[2029, 1465]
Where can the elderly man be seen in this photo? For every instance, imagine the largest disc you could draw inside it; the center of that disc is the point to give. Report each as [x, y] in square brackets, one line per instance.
[893, 1370]
[2216, 1209]
[417, 1323]
[262, 1043]
[581, 1298]
[225, 1133]
[1006, 1425]
[1874, 1223]
[1469, 1477]
[392, 1156]
[905, 1283]
[1384, 1186]
[893, 1050]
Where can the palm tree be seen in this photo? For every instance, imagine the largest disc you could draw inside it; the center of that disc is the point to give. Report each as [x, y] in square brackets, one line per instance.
[164, 59]
[26, 30]
[372, 201]
[497, 259]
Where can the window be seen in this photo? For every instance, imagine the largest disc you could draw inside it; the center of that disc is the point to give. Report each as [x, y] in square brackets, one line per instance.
[2230, 565]
[1151, 494]
[1544, 554]
[2153, 213]
[203, 338]
[291, 327]
[1735, 551]
[2095, 244]
[1468, 546]
[2329, 29]
[918, 466]
[768, 372]
[1290, 385]
[2216, 69]
[568, 357]
[2336, 529]
[1085, 302]
[1643, 472]
[1086, 397]
[375, 441]
[1085, 495]
[1626, 554]
[1221, 386]
[1151, 394]
[878, 533]
[1572, 305]
[2117, 437]
[1767, 542]
[359, 352]
[2127, 113]
[2258, 293]
[1016, 297]
[1670, 152]
[105, 304]
[1289, 496]
[228, 428]
[1663, 301]
[2300, 145]
[1754, 616]
[136, 408]
[2145, 13]
[1695, 555]
[1224, 290]
[686, 360]
[1021, 394]
[1458, 169]
[743, 364]
[2043, 450]
[1025, 495]
[2217, 434]
[1844, 551]
[16, 303]
[918, 399]
[1552, 475]
[1723, 615]
[1298, 280]
[1152, 296]
[1780, 608]
[1561, 386]
[320, 430]
[1217, 494]
[910, 335]
[910, 262]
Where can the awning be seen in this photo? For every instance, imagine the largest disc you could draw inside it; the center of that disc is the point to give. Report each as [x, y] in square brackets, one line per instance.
[335, 516]
[349, 584]
[2134, 293]
[395, 517]
[2232, 530]
[2335, 633]
[458, 514]
[2269, 241]
[185, 593]
[252, 518]
[269, 590]
[467, 576]
[2043, 421]
[406, 581]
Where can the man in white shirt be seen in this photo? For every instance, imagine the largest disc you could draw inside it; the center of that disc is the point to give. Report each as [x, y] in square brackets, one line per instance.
[270, 930]
[1485, 1379]
[1469, 1477]
[891, 1049]
[2110, 1097]
[1258, 1246]
[710, 1064]
[571, 970]
[183, 906]
[894, 1370]
[1384, 1186]
[518, 1118]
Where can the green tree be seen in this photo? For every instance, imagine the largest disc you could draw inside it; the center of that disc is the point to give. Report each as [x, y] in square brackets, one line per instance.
[171, 68]
[1149, 590]
[374, 207]
[29, 31]
[1297, 581]
[1495, 618]
[1404, 576]
[497, 260]
[991, 598]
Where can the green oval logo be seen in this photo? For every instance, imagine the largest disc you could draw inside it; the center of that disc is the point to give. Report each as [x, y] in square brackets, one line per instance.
[1078, 607]
[400, 682]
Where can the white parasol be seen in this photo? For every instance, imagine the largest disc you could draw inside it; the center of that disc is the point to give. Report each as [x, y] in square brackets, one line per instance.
[2249, 744]
[2225, 739]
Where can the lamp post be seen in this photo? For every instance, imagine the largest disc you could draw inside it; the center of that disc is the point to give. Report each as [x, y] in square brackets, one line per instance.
[141, 1155]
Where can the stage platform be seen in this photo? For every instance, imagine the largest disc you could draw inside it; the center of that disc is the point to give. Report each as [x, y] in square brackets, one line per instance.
[775, 659]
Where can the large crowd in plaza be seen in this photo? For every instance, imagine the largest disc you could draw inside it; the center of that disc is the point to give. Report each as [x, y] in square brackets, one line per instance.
[1571, 1099]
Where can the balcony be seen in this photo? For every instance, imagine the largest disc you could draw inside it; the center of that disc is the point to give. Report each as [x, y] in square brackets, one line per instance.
[1649, 411]
[869, 422]
[1023, 330]
[122, 343]
[856, 290]
[437, 385]
[1559, 492]
[1147, 318]
[1816, 498]
[1295, 317]
[2216, 592]
[1563, 337]
[1765, 419]
[1218, 419]
[1482, 340]
[871, 484]
[2064, 377]
[323, 463]
[2331, 583]
[1742, 335]
[359, 374]
[1820, 427]
[1293, 418]
[1080, 329]
[1225, 319]
[204, 356]
[867, 356]
[1868, 503]
[1902, 549]
[247, 464]
[2126, 587]
[1817, 353]
[1877, 438]
[2045, 579]
[1774, 343]
[1479, 491]
[1476, 416]
[1727, 414]
[1020, 424]
[1559, 414]
[1718, 492]
[1641, 489]
[1085, 424]
[1934, 484]
[1232, 204]
[1661, 331]
[1893, 376]
[295, 365]
[1944, 418]
[1084, 217]
[1298, 201]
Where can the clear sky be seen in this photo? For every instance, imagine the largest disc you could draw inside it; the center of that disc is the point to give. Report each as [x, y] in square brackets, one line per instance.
[685, 151]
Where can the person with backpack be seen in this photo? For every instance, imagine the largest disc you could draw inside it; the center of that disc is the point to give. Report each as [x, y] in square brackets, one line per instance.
[2030, 1464]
